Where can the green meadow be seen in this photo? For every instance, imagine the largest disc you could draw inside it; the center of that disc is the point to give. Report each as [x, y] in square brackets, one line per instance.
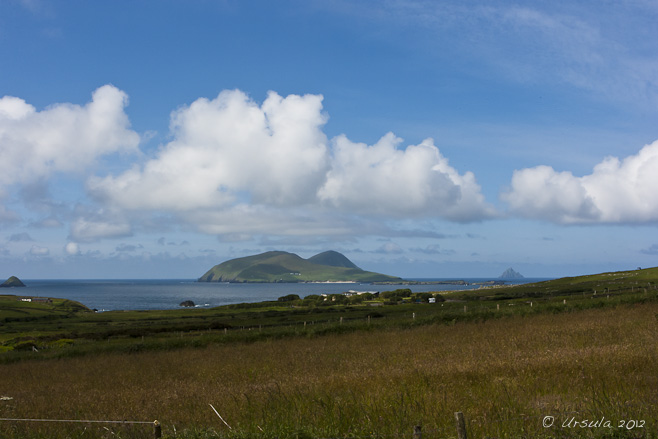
[569, 358]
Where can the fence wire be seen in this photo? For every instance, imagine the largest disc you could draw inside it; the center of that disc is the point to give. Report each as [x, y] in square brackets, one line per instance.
[81, 421]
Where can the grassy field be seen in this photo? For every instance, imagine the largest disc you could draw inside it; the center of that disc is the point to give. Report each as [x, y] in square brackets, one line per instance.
[49, 327]
[505, 367]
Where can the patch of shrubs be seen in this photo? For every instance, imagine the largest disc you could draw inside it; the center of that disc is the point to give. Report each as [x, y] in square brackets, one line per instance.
[27, 345]
[62, 342]
[400, 293]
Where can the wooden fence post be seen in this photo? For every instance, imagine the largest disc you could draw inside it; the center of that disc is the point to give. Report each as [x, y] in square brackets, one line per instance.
[157, 429]
[461, 425]
[418, 432]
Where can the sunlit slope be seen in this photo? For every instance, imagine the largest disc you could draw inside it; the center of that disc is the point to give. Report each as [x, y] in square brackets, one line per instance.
[595, 283]
[18, 308]
[279, 266]
[611, 279]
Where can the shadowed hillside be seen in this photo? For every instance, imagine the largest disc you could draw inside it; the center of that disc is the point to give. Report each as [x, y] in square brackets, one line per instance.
[333, 259]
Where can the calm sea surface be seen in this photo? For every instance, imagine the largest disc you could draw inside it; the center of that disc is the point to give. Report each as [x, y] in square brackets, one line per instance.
[106, 295]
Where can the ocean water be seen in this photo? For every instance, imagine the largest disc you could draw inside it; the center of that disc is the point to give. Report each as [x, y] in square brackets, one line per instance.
[142, 294]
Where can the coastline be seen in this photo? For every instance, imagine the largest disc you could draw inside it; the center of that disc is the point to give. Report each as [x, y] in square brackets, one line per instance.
[149, 294]
[330, 282]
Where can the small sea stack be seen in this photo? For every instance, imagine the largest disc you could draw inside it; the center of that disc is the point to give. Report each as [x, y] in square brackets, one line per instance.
[187, 303]
[12, 282]
[510, 273]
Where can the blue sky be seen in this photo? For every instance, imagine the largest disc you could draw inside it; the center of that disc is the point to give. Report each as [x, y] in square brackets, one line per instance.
[154, 139]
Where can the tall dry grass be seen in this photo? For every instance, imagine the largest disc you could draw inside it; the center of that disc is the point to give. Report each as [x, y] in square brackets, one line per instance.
[505, 375]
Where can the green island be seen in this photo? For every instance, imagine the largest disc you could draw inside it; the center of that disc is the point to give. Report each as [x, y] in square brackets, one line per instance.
[510, 358]
[280, 266]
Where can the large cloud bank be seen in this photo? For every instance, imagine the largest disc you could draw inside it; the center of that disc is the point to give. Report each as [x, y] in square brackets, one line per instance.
[237, 168]
[617, 191]
[231, 151]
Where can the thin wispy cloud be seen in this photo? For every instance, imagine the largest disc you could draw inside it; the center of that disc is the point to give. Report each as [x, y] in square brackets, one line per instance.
[651, 250]
[20, 237]
[543, 42]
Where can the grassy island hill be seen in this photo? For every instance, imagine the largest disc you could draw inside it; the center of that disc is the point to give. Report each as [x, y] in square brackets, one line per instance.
[280, 266]
[13, 281]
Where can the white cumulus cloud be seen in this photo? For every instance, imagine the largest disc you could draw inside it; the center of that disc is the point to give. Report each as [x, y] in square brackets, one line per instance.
[384, 180]
[235, 166]
[63, 137]
[275, 154]
[617, 191]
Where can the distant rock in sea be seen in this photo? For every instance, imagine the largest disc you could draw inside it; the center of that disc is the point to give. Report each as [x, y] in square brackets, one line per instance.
[510, 274]
[12, 282]
[187, 303]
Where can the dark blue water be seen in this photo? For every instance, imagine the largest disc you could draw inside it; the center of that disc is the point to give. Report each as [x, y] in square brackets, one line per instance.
[106, 295]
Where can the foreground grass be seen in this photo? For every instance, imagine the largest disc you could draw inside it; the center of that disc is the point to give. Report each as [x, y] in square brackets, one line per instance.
[505, 374]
